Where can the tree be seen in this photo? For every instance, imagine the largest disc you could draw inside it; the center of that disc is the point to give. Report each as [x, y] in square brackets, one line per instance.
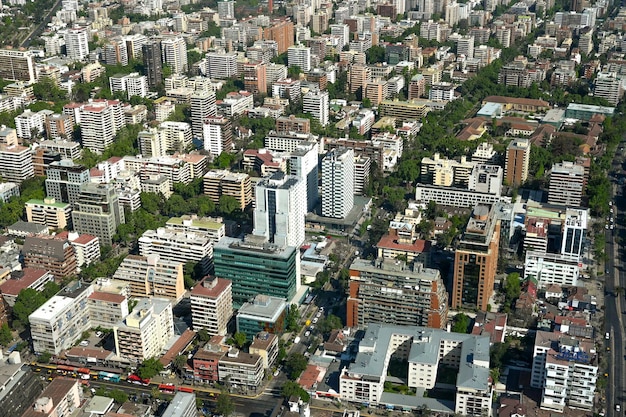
[461, 323]
[28, 300]
[375, 54]
[203, 335]
[296, 364]
[224, 405]
[6, 336]
[294, 72]
[293, 316]
[228, 204]
[291, 388]
[149, 368]
[180, 362]
[45, 357]
[240, 339]
[330, 323]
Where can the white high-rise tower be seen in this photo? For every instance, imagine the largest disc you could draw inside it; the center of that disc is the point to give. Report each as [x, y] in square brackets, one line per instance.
[338, 183]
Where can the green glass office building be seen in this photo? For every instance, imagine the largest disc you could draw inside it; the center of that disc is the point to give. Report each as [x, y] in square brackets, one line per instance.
[256, 266]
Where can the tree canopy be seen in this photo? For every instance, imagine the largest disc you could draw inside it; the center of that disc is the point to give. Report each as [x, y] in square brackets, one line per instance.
[149, 368]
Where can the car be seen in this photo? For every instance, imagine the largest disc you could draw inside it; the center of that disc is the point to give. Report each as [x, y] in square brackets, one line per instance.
[618, 407]
[276, 372]
[321, 308]
[612, 227]
[318, 315]
[307, 333]
[607, 336]
[84, 343]
[312, 327]
[99, 334]
[606, 226]
[38, 370]
[315, 320]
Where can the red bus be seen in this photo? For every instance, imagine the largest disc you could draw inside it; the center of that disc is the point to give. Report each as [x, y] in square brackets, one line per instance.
[135, 379]
[185, 389]
[167, 388]
[66, 368]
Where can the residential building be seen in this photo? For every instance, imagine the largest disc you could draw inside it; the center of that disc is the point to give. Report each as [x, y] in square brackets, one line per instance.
[565, 368]
[303, 163]
[221, 182]
[212, 305]
[178, 246]
[100, 121]
[30, 124]
[273, 73]
[299, 56]
[235, 104]
[419, 296]
[263, 314]
[16, 163]
[59, 126]
[517, 160]
[152, 142]
[574, 232]
[178, 136]
[202, 107]
[608, 87]
[261, 268]
[133, 84]
[359, 76]
[146, 331]
[115, 52]
[152, 60]
[163, 108]
[152, 276]
[453, 196]
[86, 247]
[212, 226]
[552, 268]
[206, 362]
[174, 54]
[255, 77]
[286, 141]
[98, 212]
[566, 184]
[426, 350]
[317, 104]
[107, 308]
[77, 43]
[64, 180]
[217, 134]
[265, 345]
[242, 369]
[55, 255]
[292, 123]
[287, 88]
[280, 209]
[60, 322]
[35, 278]
[8, 190]
[281, 31]
[62, 397]
[16, 65]
[172, 168]
[338, 183]
[221, 65]
[403, 111]
[476, 259]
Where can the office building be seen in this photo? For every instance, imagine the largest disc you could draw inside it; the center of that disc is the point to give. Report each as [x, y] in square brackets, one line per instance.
[476, 260]
[17, 65]
[299, 56]
[552, 268]
[338, 183]
[517, 160]
[202, 107]
[217, 135]
[146, 331]
[222, 182]
[281, 31]
[212, 305]
[566, 184]
[77, 43]
[419, 298]
[565, 368]
[280, 209]
[16, 163]
[54, 255]
[316, 104]
[178, 246]
[64, 180]
[574, 232]
[303, 163]
[153, 63]
[263, 314]
[427, 351]
[261, 268]
[255, 77]
[152, 276]
[60, 322]
[221, 65]
[98, 212]
[174, 54]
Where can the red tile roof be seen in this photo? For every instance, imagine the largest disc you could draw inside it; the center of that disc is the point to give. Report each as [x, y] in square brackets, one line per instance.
[107, 296]
[390, 242]
[14, 286]
[220, 286]
[309, 377]
[84, 239]
[178, 347]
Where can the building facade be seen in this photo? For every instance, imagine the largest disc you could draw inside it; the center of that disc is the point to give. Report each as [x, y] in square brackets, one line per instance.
[212, 305]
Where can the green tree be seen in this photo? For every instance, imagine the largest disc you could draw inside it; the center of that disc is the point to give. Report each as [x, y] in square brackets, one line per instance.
[294, 72]
[45, 357]
[375, 54]
[296, 364]
[461, 323]
[203, 335]
[329, 323]
[291, 388]
[6, 337]
[228, 204]
[240, 339]
[224, 405]
[293, 316]
[27, 301]
[179, 364]
[149, 368]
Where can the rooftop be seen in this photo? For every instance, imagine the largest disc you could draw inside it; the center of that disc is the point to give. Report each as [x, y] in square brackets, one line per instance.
[56, 391]
[210, 287]
[264, 307]
[22, 280]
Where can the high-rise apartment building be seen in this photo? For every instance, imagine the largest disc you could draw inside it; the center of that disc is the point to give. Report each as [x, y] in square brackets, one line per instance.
[16, 163]
[608, 87]
[260, 268]
[55, 215]
[174, 54]
[202, 107]
[282, 32]
[338, 183]
[465, 46]
[280, 209]
[419, 298]
[255, 77]
[303, 163]
[476, 260]
[317, 104]
[299, 56]
[64, 180]
[51, 254]
[567, 182]
[17, 65]
[115, 52]
[152, 276]
[226, 9]
[133, 84]
[221, 65]
[146, 331]
[517, 160]
[360, 75]
[274, 72]
[153, 62]
[152, 142]
[342, 31]
[222, 182]
[217, 135]
[212, 305]
[574, 232]
[98, 212]
[100, 120]
[178, 136]
[77, 43]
